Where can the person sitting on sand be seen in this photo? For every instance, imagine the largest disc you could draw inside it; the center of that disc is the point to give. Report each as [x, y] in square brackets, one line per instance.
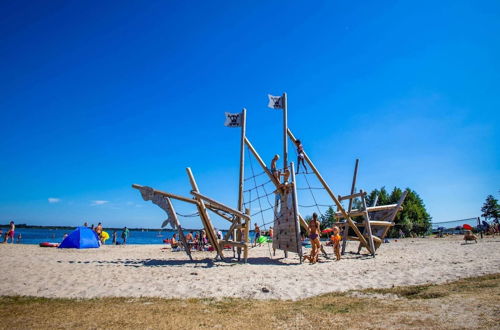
[335, 238]
[300, 156]
[257, 235]
[10, 233]
[469, 236]
[203, 240]
[174, 244]
[314, 231]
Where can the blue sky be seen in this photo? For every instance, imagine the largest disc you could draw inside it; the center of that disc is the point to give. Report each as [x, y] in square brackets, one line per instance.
[96, 96]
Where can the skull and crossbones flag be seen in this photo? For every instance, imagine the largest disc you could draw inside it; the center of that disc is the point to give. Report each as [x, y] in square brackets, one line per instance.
[275, 102]
[233, 119]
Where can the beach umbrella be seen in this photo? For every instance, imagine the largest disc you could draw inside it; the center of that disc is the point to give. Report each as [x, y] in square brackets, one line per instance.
[467, 227]
[327, 230]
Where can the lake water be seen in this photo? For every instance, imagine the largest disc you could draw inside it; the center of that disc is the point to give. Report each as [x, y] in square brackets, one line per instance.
[36, 235]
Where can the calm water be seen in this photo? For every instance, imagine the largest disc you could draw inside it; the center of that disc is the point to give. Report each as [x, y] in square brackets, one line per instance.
[36, 236]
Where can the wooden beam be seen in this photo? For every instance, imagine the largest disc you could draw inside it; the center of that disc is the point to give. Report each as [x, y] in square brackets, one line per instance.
[218, 212]
[261, 163]
[169, 195]
[360, 194]
[179, 229]
[332, 195]
[368, 228]
[356, 212]
[216, 204]
[296, 212]
[204, 217]
[349, 209]
[381, 223]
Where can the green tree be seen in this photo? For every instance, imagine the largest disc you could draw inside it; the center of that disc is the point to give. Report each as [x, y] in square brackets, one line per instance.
[414, 216]
[491, 209]
[328, 218]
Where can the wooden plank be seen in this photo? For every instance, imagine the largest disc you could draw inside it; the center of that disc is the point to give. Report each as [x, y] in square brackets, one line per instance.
[169, 195]
[214, 203]
[360, 194]
[204, 217]
[332, 195]
[357, 212]
[381, 223]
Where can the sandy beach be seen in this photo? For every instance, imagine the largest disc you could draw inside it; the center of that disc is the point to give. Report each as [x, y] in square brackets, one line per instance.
[149, 271]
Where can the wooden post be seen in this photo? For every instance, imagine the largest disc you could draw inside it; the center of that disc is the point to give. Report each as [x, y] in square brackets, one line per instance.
[204, 216]
[179, 229]
[353, 187]
[333, 197]
[242, 160]
[285, 130]
[479, 225]
[368, 227]
[296, 212]
[247, 233]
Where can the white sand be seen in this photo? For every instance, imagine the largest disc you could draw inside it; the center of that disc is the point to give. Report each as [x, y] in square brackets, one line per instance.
[146, 270]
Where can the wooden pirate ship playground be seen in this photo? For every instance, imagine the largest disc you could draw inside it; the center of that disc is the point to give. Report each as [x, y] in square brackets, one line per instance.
[276, 194]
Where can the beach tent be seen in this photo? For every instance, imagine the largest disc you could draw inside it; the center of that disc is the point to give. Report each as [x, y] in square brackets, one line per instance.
[80, 238]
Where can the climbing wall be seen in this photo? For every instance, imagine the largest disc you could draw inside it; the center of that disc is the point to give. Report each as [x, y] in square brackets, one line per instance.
[286, 222]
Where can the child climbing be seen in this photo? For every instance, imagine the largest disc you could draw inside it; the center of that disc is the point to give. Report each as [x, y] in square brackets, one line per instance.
[274, 170]
[335, 239]
[300, 156]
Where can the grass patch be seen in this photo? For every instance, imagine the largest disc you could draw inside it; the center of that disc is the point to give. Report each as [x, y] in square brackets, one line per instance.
[332, 310]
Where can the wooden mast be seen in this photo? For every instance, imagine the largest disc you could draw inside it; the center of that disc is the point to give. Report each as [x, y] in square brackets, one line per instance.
[349, 209]
[285, 130]
[237, 232]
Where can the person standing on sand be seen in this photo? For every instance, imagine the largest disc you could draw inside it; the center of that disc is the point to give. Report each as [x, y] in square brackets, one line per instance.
[257, 235]
[335, 239]
[10, 233]
[124, 235]
[19, 237]
[115, 237]
[314, 231]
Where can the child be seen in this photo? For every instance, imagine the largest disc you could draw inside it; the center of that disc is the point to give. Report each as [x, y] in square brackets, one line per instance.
[10, 233]
[300, 156]
[335, 239]
[274, 169]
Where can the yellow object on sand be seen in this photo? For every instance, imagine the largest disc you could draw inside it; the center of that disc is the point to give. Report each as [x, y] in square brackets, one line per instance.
[104, 236]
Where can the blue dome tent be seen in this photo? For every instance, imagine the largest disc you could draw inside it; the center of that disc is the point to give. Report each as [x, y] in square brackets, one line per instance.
[80, 238]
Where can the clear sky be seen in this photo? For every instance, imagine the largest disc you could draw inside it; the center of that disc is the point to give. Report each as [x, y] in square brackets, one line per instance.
[95, 96]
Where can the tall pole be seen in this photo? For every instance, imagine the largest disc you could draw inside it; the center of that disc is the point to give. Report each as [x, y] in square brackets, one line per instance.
[237, 233]
[242, 159]
[285, 133]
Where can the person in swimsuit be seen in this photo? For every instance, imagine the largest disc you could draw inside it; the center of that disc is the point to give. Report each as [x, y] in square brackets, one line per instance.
[274, 170]
[10, 233]
[335, 239]
[314, 231]
[300, 156]
[257, 235]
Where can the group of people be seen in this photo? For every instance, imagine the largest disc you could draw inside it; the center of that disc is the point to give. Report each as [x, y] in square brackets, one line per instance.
[102, 236]
[10, 234]
[196, 241]
[314, 236]
[286, 173]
